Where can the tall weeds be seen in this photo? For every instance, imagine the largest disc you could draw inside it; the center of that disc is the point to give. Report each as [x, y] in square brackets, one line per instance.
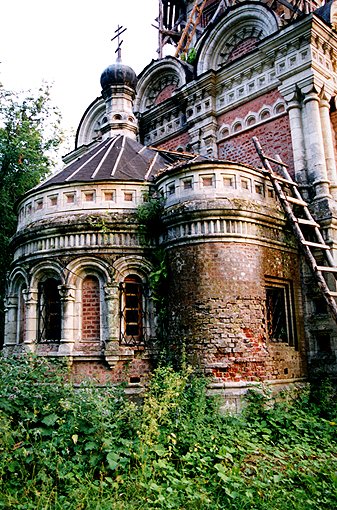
[91, 448]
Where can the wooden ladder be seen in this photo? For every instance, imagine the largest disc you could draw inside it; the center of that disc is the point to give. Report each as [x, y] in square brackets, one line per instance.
[282, 186]
[190, 28]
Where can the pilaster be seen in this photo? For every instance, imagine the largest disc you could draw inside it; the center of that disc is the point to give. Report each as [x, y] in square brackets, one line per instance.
[11, 313]
[317, 170]
[67, 294]
[328, 142]
[31, 300]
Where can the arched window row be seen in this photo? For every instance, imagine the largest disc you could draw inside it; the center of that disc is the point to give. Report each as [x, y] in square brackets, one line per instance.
[51, 312]
[251, 119]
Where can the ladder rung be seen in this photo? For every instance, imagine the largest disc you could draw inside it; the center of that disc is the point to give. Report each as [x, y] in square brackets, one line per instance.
[316, 245]
[327, 269]
[276, 161]
[286, 181]
[310, 223]
[296, 201]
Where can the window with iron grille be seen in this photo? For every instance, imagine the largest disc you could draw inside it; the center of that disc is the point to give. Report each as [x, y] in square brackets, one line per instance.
[132, 311]
[49, 311]
[280, 312]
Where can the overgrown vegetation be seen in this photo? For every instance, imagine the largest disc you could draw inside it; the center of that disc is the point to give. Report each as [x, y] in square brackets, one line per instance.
[150, 224]
[89, 448]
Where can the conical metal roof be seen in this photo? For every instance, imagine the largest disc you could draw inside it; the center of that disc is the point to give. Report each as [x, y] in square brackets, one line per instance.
[117, 158]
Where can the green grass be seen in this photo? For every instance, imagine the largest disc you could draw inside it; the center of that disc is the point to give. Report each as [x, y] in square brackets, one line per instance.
[66, 449]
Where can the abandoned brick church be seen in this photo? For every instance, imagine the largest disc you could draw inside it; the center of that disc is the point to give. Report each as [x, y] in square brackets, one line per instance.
[240, 294]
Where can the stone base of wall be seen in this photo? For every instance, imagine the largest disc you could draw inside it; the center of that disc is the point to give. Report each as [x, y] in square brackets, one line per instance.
[231, 394]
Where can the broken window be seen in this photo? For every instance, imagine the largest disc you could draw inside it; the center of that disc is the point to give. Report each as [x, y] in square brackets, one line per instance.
[49, 311]
[280, 312]
[132, 311]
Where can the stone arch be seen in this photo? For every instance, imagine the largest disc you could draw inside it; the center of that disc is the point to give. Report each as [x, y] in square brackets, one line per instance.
[134, 264]
[265, 113]
[15, 307]
[249, 20]
[44, 270]
[77, 272]
[279, 108]
[250, 120]
[89, 126]
[15, 278]
[159, 81]
[224, 131]
[83, 266]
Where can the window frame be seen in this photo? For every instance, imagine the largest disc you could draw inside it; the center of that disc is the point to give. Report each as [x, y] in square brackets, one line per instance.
[44, 315]
[127, 336]
[276, 289]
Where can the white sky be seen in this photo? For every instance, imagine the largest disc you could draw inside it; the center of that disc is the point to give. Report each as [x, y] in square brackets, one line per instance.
[68, 43]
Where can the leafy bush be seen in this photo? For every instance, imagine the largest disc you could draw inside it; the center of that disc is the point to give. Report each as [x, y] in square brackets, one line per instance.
[90, 448]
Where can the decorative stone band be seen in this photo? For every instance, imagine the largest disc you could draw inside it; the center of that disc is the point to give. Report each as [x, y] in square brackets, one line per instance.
[251, 231]
[76, 242]
[217, 180]
[56, 201]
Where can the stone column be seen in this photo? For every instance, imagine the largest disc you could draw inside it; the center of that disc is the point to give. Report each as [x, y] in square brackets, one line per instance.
[67, 293]
[317, 171]
[294, 109]
[31, 300]
[113, 351]
[328, 141]
[11, 325]
[111, 294]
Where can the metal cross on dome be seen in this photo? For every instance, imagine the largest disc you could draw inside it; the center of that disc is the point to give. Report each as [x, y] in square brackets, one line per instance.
[119, 31]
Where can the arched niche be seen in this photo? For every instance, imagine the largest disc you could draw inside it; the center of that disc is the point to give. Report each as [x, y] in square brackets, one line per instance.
[250, 21]
[159, 81]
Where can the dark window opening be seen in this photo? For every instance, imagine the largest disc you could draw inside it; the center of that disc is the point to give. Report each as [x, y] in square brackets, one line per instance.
[280, 313]
[320, 306]
[323, 342]
[49, 312]
[132, 311]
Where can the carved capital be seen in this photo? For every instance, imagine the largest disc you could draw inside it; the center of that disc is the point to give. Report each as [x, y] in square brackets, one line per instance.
[111, 291]
[67, 292]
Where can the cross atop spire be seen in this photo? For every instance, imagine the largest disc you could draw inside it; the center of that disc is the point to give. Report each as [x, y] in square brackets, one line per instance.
[119, 31]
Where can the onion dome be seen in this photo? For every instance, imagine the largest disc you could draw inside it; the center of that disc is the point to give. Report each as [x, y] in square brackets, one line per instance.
[118, 74]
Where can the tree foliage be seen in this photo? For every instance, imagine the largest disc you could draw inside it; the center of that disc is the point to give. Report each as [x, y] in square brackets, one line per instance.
[29, 136]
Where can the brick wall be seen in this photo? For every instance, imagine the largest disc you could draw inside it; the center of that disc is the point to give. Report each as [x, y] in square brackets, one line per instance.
[181, 140]
[135, 371]
[274, 136]
[165, 93]
[242, 48]
[90, 309]
[218, 308]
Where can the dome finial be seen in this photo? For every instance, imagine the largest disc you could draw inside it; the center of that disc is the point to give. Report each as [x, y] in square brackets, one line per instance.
[119, 31]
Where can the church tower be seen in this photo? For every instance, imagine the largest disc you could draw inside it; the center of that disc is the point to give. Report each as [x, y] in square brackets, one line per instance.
[240, 296]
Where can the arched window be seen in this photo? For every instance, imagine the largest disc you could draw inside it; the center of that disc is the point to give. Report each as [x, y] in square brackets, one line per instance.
[132, 311]
[91, 309]
[49, 311]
